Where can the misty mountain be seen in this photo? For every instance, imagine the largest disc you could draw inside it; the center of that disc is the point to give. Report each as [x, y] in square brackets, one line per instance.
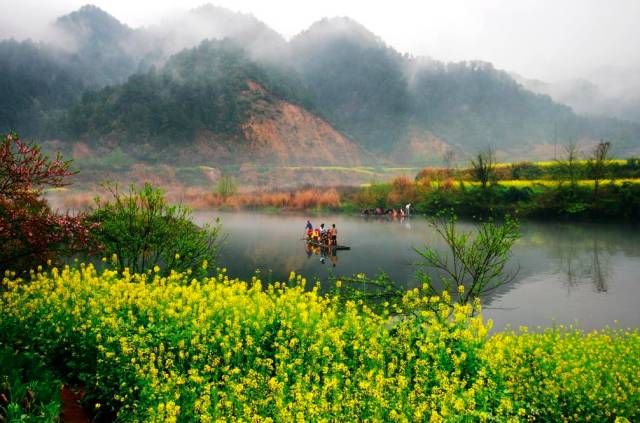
[209, 103]
[89, 49]
[156, 44]
[359, 83]
[387, 101]
[204, 88]
[612, 92]
[36, 86]
[101, 80]
[94, 43]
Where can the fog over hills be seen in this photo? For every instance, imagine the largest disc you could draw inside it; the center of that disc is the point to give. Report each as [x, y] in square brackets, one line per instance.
[610, 91]
[254, 96]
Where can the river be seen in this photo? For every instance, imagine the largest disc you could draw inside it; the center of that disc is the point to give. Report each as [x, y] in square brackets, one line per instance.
[581, 273]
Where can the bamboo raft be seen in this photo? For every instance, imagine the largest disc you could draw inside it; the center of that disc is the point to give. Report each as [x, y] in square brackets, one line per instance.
[321, 245]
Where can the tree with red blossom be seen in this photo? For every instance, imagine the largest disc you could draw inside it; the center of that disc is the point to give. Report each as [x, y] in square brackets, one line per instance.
[30, 232]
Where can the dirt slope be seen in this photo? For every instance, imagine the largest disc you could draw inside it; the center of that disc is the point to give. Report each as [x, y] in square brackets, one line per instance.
[279, 133]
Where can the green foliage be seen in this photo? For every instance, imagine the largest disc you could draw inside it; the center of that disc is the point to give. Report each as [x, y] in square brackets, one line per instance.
[483, 167]
[29, 392]
[539, 198]
[144, 233]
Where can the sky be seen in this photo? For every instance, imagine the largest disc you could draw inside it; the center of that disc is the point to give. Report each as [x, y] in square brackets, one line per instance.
[551, 40]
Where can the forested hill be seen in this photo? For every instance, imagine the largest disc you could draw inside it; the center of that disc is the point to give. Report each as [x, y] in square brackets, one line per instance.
[359, 83]
[104, 84]
[211, 102]
[390, 101]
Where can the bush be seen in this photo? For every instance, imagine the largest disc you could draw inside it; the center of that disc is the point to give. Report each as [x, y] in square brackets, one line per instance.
[143, 232]
[30, 232]
[158, 348]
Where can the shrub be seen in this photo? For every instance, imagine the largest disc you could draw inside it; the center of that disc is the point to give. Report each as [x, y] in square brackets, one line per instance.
[30, 232]
[143, 232]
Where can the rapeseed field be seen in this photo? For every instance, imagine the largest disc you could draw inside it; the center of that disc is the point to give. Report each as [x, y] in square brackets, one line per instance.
[167, 349]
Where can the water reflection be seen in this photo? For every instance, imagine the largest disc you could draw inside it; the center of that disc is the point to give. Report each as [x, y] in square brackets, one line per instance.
[327, 255]
[583, 253]
[566, 272]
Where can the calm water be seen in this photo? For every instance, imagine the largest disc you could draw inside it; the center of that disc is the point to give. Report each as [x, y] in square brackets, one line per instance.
[568, 272]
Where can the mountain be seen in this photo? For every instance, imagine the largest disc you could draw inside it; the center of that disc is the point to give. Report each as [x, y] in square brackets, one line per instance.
[216, 85]
[210, 103]
[414, 107]
[611, 92]
[36, 87]
[358, 82]
[95, 43]
[39, 81]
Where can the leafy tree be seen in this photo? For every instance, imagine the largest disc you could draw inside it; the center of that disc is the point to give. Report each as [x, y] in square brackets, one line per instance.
[30, 232]
[143, 232]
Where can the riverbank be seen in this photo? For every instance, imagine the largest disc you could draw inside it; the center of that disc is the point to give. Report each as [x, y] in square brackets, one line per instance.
[580, 190]
[542, 200]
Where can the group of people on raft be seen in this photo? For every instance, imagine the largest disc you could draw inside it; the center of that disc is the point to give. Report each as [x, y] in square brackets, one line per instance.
[322, 235]
[379, 211]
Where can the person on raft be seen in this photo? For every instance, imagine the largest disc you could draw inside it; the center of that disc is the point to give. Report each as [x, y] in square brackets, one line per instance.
[324, 234]
[333, 235]
[309, 229]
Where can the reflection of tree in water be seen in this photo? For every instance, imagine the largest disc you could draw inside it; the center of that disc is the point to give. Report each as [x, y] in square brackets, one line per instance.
[601, 275]
[583, 252]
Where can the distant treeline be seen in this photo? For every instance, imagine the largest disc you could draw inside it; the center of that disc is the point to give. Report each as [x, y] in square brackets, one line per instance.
[531, 171]
[576, 189]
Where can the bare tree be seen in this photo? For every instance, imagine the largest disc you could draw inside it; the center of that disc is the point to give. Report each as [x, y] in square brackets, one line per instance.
[569, 164]
[483, 166]
[597, 163]
[475, 263]
[449, 158]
